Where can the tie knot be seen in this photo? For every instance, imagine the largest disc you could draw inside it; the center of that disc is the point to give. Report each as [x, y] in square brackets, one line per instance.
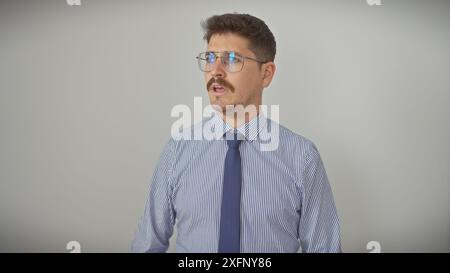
[233, 140]
[233, 143]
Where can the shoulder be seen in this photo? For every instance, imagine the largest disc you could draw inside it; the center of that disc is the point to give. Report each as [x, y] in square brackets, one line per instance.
[293, 149]
[290, 141]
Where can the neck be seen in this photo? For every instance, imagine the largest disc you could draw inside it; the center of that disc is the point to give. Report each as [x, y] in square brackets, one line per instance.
[237, 117]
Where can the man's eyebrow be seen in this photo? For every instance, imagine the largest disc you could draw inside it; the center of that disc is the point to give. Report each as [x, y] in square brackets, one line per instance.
[228, 51]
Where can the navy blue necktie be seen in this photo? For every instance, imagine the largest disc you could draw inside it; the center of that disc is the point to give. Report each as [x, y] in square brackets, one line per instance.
[230, 218]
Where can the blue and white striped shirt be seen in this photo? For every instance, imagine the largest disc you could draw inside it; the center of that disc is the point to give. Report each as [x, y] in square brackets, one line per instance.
[287, 203]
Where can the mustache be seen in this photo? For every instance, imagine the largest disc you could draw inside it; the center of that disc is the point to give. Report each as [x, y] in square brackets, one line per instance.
[220, 81]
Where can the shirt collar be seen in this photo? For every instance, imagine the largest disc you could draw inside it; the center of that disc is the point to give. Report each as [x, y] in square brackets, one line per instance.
[250, 130]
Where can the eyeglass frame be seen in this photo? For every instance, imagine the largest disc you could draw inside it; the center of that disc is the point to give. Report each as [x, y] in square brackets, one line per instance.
[222, 60]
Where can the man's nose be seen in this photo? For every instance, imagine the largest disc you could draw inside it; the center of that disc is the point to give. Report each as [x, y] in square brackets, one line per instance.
[217, 69]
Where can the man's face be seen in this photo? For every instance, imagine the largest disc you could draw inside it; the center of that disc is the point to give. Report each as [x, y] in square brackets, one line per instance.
[241, 88]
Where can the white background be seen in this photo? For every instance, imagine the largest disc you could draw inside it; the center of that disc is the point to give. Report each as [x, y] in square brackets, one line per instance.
[86, 93]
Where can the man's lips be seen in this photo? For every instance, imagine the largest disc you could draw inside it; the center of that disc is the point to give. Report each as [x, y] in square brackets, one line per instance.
[218, 88]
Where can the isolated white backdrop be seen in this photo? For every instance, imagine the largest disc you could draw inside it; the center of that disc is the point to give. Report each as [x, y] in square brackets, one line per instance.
[86, 93]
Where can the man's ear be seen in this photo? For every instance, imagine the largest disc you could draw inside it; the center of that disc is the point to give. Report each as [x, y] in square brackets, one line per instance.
[268, 71]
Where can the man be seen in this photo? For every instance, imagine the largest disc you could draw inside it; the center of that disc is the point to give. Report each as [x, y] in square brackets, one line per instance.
[228, 194]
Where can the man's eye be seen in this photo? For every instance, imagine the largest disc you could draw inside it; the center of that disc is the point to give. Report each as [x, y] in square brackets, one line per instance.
[210, 58]
[232, 58]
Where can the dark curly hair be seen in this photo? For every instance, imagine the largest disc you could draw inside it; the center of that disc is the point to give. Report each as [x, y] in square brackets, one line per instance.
[262, 41]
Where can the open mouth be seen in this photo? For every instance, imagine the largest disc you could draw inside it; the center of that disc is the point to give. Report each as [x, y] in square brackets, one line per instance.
[217, 88]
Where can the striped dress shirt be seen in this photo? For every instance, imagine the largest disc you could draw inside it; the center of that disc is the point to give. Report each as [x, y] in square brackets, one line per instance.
[286, 205]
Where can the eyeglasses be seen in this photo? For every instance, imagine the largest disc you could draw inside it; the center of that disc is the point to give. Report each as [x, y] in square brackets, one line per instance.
[232, 61]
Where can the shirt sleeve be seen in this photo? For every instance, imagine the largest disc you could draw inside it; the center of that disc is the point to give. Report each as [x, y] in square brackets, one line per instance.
[319, 225]
[156, 225]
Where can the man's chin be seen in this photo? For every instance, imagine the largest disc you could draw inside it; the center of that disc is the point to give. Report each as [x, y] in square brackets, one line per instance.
[222, 108]
[219, 105]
